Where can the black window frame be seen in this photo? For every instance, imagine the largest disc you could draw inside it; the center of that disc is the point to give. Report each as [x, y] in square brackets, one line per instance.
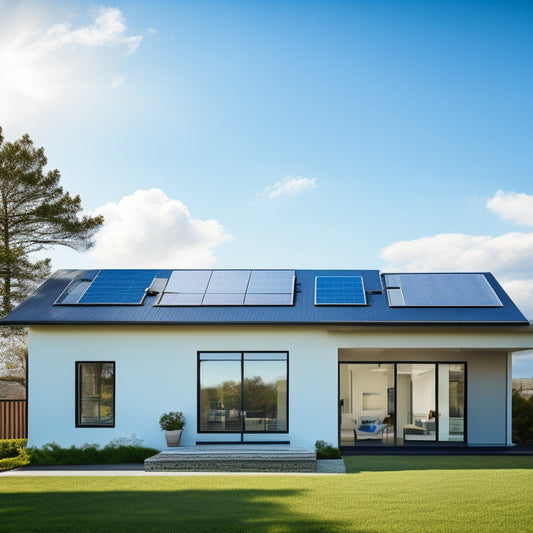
[242, 431]
[395, 363]
[78, 402]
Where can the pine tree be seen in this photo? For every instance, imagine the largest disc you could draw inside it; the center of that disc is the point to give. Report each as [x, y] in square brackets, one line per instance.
[35, 214]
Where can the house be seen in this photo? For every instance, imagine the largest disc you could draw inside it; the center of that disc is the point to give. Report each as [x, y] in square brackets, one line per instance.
[353, 357]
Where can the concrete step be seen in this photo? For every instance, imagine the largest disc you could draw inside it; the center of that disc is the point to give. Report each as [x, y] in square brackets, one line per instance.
[233, 458]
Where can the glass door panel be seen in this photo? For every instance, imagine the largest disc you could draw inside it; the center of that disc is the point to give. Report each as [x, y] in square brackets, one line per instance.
[243, 392]
[451, 402]
[366, 405]
[265, 395]
[220, 395]
[416, 402]
[405, 397]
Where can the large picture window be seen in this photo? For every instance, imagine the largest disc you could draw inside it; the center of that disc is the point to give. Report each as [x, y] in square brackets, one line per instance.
[243, 392]
[425, 403]
[95, 394]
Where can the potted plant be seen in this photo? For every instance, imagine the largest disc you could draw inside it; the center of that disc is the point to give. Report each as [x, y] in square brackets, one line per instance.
[172, 424]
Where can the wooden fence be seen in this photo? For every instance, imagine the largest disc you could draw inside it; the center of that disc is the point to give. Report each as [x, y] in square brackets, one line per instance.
[13, 419]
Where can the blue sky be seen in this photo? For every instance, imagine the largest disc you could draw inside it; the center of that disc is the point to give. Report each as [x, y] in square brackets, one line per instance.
[388, 135]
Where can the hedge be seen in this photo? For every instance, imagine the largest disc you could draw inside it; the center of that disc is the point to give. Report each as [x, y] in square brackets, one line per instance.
[13, 454]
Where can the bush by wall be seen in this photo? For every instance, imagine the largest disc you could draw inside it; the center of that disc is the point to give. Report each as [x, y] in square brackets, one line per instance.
[522, 418]
[325, 450]
[117, 451]
[13, 454]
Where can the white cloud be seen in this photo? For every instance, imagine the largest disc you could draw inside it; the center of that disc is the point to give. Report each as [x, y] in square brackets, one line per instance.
[509, 257]
[517, 207]
[289, 186]
[108, 29]
[50, 66]
[521, 292]
[511, 253]
[150, 230]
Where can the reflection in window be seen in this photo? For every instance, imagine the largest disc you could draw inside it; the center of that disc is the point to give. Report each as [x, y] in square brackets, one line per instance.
[95, 394]
[243, 392]
[451, 402]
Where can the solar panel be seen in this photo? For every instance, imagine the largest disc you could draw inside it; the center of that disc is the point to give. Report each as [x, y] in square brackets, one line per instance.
[395, 295]
[223, 299]
[228, 282]
[268, 299]
[392, 281]
[170, 298]
[271, 282]
[73, 292]
[443, 290]
[121, 287]
[229, 287]
[339, 290]
[188, 281]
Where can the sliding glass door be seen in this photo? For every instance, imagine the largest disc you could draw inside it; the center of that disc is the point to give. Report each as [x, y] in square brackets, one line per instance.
[399, 403]
[415, 402]
[451, 402]
[243, 392]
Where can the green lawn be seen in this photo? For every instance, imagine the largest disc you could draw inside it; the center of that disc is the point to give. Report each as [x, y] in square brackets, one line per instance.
[393, 494]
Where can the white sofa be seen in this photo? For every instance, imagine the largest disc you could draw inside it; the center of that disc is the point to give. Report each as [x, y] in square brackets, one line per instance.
[363, 428]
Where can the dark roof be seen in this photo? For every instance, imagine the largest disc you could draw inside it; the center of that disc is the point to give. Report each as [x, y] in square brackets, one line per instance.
[40, 307]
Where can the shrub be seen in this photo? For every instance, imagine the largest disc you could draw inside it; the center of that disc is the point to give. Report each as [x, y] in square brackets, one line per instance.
[522, 418]
[11, 447]
[172, 421]
[118, 451]
[13, 454]
[325, 450]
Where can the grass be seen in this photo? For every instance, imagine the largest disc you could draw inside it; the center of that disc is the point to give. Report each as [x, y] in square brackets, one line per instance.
[398, 494]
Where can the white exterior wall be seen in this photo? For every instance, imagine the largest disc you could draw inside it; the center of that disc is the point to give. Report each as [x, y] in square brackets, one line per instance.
[156, 372]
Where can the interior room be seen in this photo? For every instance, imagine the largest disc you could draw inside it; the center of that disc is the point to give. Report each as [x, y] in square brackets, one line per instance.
[401, 403]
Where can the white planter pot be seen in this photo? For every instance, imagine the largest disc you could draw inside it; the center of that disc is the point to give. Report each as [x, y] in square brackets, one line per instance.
[173, 437]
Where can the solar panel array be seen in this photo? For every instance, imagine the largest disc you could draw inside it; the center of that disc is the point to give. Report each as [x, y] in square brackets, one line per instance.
[273, 288]
[229, 288]
[339, 290]
[440, 290]
[120, 287]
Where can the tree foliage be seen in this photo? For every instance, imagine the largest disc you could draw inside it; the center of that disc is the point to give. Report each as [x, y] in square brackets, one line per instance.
[13, 354]
[522, 418]
[35, 214]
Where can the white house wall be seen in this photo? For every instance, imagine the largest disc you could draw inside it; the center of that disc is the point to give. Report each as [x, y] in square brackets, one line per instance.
[156, 371]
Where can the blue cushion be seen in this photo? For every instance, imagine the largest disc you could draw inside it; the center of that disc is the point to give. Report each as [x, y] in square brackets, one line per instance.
[370, 428]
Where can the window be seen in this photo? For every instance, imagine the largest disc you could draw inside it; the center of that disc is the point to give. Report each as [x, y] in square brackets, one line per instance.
[95, 394]
[243, 392]
[405, 402]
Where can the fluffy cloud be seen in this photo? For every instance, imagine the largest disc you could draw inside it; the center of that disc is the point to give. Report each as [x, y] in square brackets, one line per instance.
[509, 257]
[108, 29]
[50, 66]
[517, 207]
[289, 186]
[150, 230]
[511, 254]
